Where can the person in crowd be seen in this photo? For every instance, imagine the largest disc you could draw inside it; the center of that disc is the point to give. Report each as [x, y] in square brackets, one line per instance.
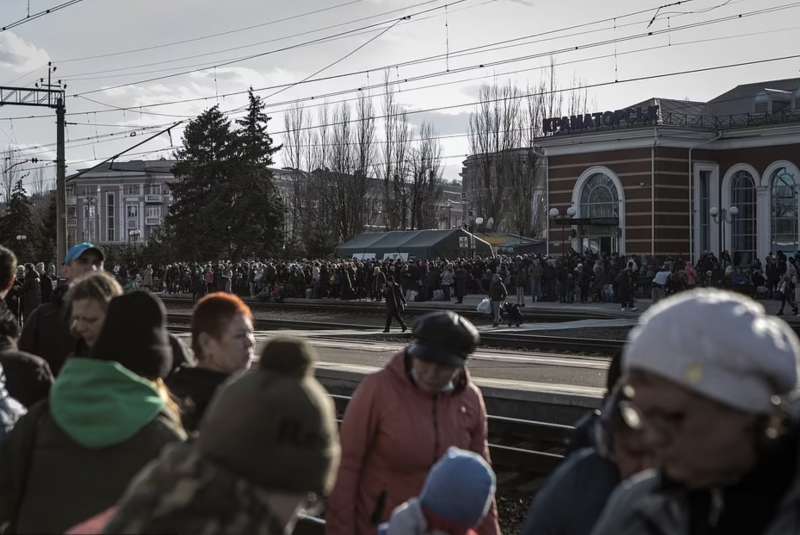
[457, 495]
[402, 419]
[31, 291]
[87, 301]
[47, 331]
[223, 344]
[710, 399]
[395, 303]
[497, 296]
[574, 496]
[254, 473]
[660, 283]
[520, 276]
[11, 410]
[107, 416]
[46, 283]
[787, 287]
[448, 279]
[625, 287]
[460, 277]
[27, 377]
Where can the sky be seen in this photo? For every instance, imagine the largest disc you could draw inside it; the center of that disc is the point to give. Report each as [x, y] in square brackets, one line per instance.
[106, 50]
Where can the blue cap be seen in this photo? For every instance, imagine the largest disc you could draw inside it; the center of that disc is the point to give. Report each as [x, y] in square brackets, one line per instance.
[459, 488]
[77, 251]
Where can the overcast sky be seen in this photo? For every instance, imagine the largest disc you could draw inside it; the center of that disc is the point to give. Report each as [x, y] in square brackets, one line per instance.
[74, 37]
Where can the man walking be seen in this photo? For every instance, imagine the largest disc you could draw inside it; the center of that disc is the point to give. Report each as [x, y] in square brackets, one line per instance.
[395, 303]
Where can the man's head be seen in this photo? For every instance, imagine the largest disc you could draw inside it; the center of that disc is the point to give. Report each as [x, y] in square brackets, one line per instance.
[40, 269]
[222, 333]
[81, 259]
[8, 270]
[702, 373]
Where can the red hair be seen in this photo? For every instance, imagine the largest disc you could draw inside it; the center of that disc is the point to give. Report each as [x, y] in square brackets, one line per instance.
[213, 313]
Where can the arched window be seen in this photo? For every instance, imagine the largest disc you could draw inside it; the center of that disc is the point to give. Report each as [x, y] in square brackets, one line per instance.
[784, 211]
[599, 197]
[743, 196]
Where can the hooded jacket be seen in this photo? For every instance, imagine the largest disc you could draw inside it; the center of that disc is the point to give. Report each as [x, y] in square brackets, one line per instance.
[100, 426]
[28, 377]
[391, 435]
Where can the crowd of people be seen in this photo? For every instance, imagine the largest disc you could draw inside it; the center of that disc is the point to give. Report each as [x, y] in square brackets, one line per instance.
[111, 425]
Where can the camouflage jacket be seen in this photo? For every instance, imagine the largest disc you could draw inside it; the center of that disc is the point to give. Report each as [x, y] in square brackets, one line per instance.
[182, 492]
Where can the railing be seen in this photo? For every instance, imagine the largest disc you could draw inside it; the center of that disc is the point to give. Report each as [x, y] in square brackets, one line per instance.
[71, 200]
[150, 197]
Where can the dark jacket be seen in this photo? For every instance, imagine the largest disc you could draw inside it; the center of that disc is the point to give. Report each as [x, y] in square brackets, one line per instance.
[498, 291]
[194, 387]
[28, 377]
[394, 296]
[71, 459]
[46, 332]
[573, 497]
[764, 502]
[31, 295]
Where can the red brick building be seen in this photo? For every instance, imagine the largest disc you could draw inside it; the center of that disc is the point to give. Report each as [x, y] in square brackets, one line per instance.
[667, 177]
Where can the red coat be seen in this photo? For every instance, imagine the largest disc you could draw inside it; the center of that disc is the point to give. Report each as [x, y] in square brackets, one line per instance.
[392, 434]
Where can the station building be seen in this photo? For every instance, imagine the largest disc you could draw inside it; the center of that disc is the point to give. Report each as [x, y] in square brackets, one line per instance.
[678, 178]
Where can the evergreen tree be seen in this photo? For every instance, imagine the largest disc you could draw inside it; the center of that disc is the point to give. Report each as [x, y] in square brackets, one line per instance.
[196, 221]
[18, 221]
[256, 214]
[46, 233]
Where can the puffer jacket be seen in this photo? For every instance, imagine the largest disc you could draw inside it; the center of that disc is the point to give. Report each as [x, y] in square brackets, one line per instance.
[391, 435]
[46, 332]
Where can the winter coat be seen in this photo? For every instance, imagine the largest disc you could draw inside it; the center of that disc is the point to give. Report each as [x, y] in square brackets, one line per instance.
[498, 291]
[48, 286]
[27, 377]
[391, 435]
[394, 297]
[448, 277]
[573, 497]
[460, 278]
[73, 455]
[183, 492]
[769, 497]
[31, 295]
[46, 332]
[194, 387]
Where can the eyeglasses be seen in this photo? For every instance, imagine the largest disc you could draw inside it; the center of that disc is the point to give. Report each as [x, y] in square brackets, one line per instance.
[635, 418]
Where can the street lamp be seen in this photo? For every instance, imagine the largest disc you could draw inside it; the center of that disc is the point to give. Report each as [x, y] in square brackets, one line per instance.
[724, 216]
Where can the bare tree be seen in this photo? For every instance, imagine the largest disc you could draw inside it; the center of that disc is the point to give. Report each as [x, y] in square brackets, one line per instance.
[495, 132]
[426, 178]
[296, 154]
[391, 210]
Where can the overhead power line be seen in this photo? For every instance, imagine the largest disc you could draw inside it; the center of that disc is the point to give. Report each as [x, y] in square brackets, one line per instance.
[40, 14]
[484, 65]
[261, 54]
[211, 35]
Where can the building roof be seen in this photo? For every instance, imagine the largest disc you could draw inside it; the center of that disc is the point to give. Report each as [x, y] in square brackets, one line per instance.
[740, 98]
[417, 243]
[133, 167]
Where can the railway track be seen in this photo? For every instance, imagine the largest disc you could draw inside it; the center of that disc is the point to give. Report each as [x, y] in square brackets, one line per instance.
[501, 340]
[371, 307]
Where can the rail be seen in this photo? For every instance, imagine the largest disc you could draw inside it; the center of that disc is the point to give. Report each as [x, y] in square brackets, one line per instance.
[502, 340]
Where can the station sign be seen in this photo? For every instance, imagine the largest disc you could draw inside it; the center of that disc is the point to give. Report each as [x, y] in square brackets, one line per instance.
[601, 120]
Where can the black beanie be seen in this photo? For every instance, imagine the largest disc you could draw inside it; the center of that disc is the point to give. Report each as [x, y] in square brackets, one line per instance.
[135, 335]
[283, 436]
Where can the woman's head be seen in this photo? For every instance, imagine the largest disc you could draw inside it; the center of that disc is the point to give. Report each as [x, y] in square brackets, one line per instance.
[88, 298]
[222, 333]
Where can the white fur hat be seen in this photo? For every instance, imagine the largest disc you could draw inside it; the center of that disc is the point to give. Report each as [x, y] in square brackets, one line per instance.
[719, 344]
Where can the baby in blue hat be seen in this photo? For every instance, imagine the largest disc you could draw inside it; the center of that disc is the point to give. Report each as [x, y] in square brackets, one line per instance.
[457, 495]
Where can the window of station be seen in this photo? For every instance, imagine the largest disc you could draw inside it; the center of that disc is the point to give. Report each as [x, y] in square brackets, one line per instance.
[743, 196]
[110, 217]
[132, 189]
[599, 197]
[784, 211]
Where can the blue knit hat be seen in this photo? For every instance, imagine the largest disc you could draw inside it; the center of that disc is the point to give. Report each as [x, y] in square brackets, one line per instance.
[459, 488]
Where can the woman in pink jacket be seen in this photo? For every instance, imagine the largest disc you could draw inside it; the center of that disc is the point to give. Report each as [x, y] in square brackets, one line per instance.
[402, 419]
